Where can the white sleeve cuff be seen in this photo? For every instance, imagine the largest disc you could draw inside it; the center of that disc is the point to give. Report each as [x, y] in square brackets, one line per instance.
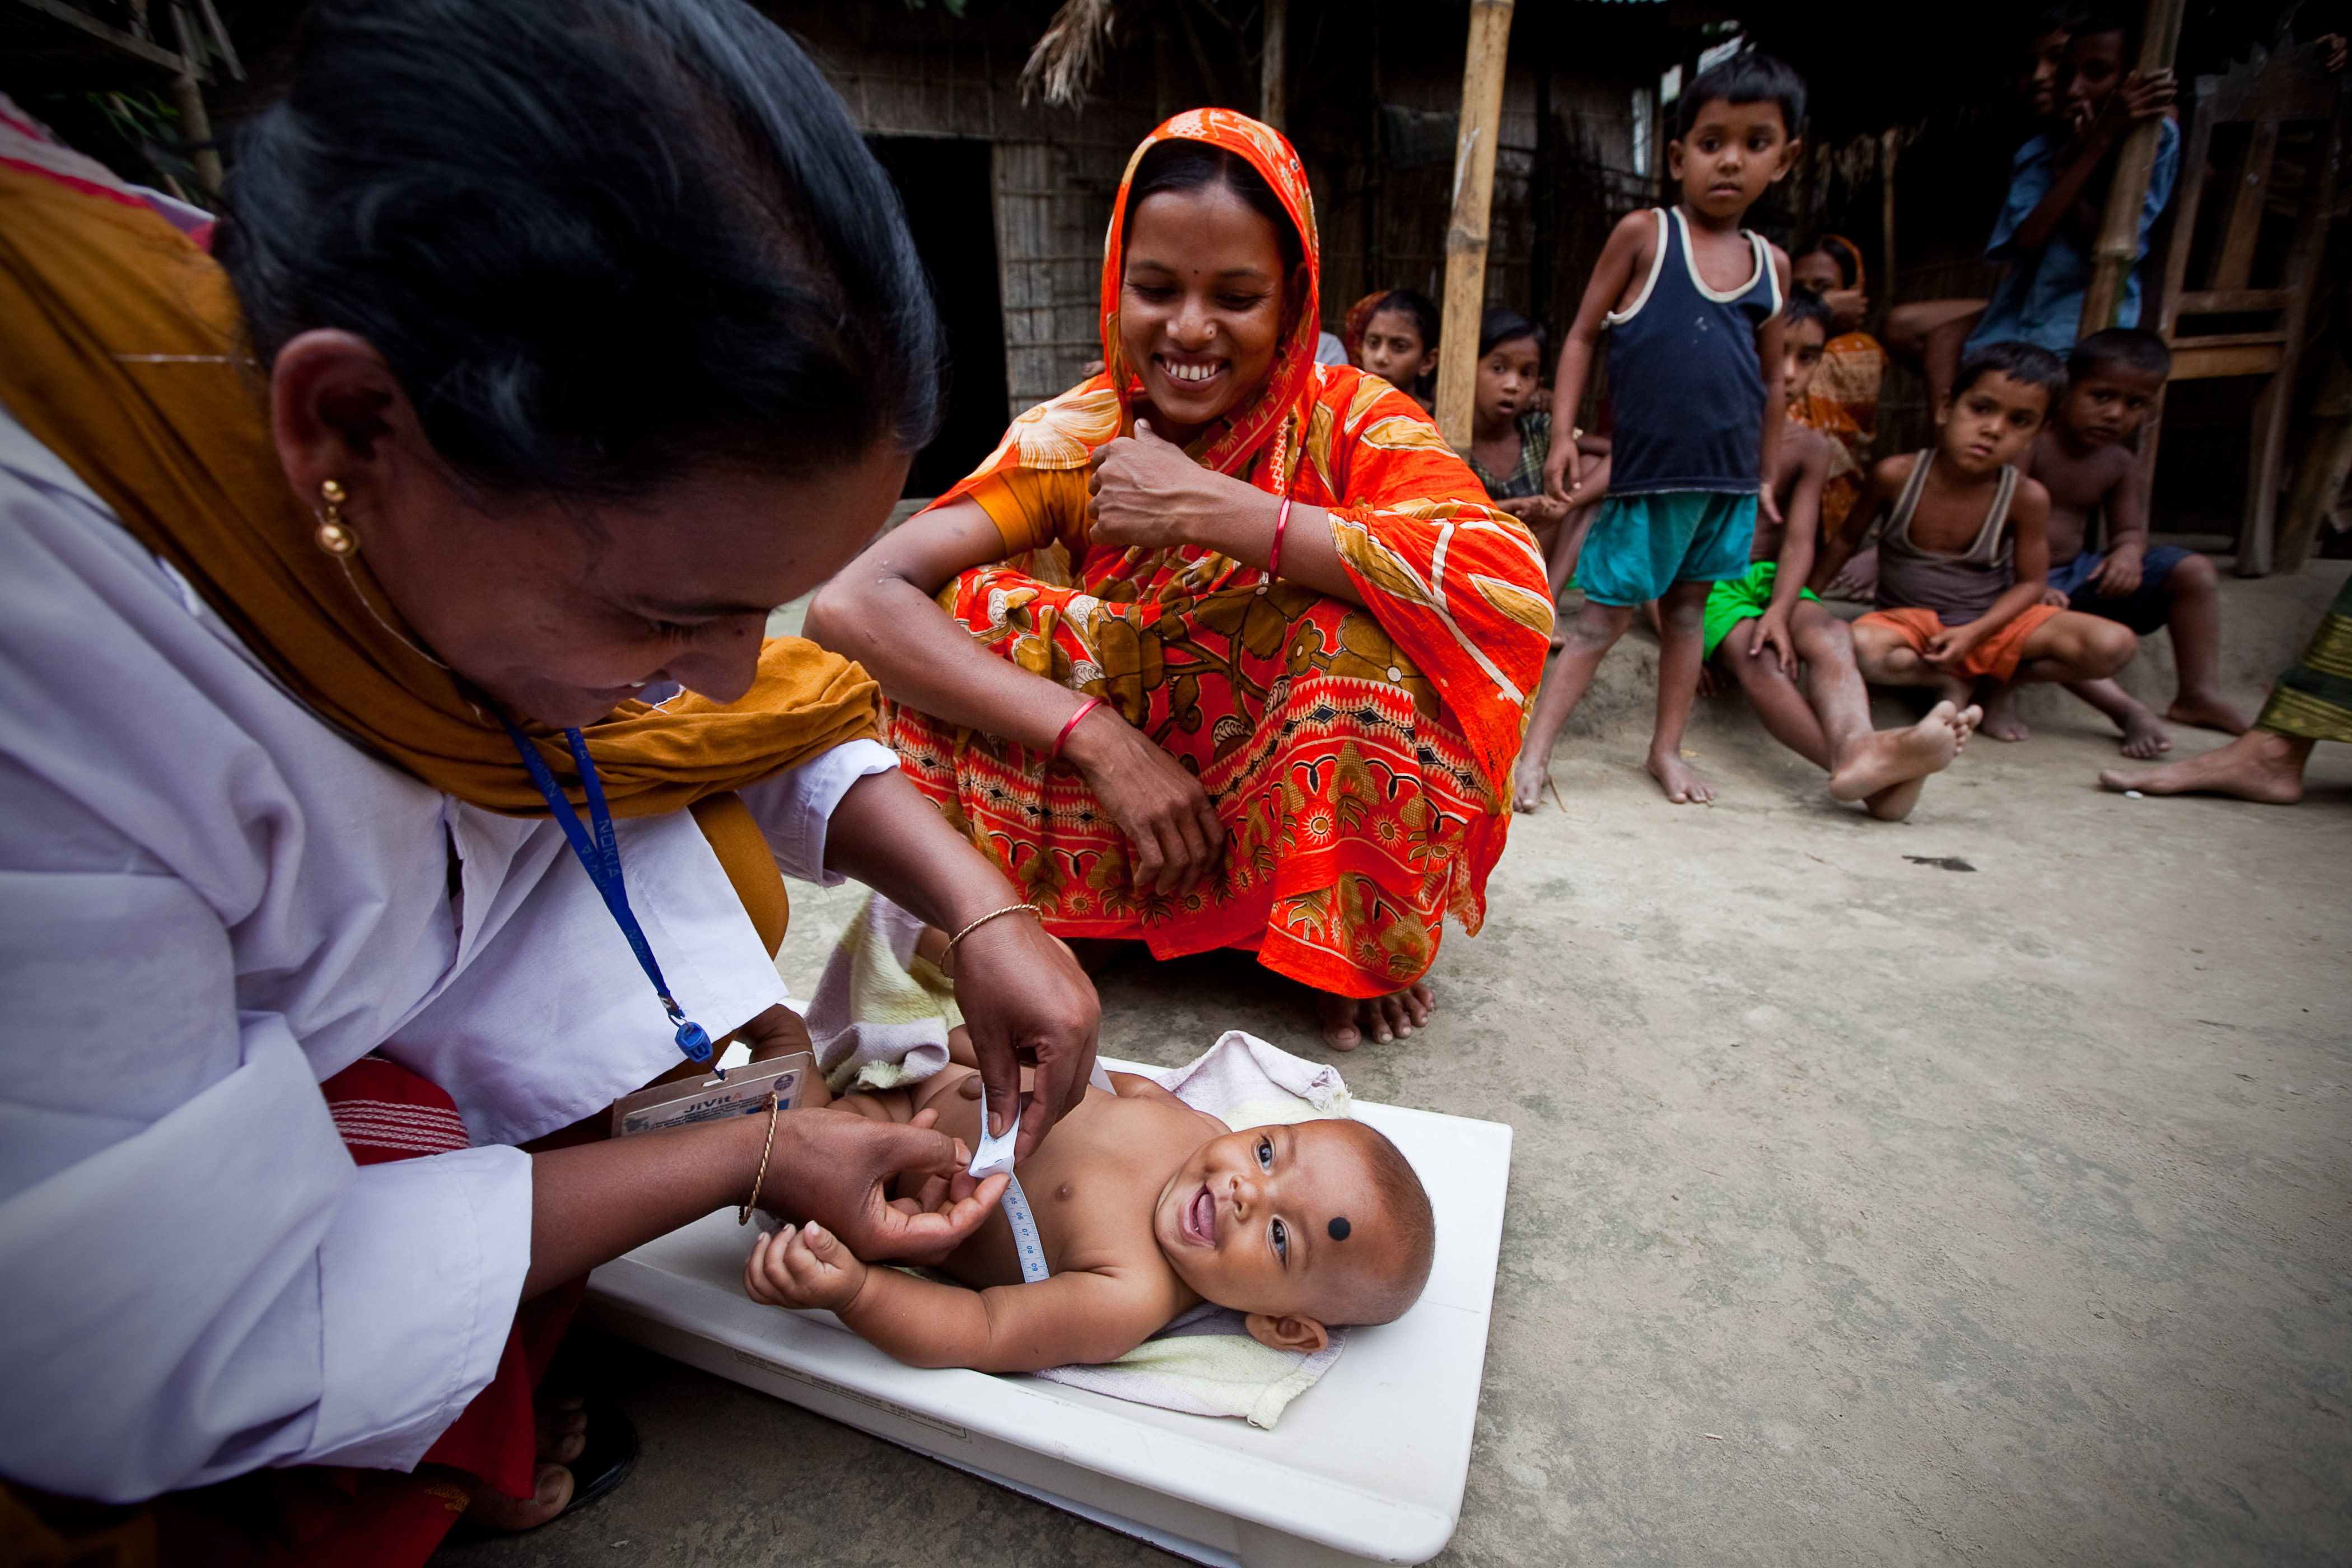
[795, 809]
[419, 1277]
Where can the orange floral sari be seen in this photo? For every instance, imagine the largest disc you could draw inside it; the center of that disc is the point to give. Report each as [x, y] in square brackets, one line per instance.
[1359, 757]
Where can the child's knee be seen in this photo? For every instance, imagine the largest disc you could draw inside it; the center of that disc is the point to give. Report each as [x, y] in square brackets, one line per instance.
[2106, 647]
[1597, 626]
[2192, 574]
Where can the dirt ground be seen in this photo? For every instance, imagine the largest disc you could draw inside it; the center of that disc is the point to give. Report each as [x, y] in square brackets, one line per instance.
[1862, 1210]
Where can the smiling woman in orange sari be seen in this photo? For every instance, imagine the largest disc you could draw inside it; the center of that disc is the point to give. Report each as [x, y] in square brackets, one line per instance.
[1234, 651]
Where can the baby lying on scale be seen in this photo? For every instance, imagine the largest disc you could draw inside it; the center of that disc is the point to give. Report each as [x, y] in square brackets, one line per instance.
[1146, 1207]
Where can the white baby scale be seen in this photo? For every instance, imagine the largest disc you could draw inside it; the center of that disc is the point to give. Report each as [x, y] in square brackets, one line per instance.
[1366, 1467]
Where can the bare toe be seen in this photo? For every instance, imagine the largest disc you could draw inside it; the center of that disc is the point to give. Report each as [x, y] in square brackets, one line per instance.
[550, 1494]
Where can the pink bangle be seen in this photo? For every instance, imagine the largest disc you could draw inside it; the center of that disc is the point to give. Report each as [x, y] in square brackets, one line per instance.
[1088, 706]
[1281, 521]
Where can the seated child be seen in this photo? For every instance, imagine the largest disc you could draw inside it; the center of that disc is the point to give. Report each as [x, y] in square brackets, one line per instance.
[1691, 304]
[1146, 1207]
[1841, 399]
[1964, 560]
[2083, 457]
[1511, 438]
[1400, 343]
[2050, 220]
[1758, 626]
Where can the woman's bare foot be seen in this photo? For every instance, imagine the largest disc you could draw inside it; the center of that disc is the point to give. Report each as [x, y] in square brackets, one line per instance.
[2001, 720]
[1681, 784]
[1883, 763]
[2208, 711]
[2143, 736]
[1528, 777]
[2260, 765]
[551, 1495]
[1346, 1020]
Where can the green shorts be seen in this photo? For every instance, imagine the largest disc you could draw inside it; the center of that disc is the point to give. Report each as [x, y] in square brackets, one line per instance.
[1742, 598]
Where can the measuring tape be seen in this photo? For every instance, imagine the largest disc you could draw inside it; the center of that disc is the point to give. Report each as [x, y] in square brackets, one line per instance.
[995, 1153]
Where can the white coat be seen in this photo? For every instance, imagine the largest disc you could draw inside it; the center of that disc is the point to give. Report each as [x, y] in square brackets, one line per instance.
[210, 900]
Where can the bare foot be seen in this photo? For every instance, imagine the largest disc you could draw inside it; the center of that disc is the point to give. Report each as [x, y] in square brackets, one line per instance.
[1527, 780]
[2001, 720]
[2260, 765]
[562, 1422]
[1346, 1020]
[2208, 712]
[1897, 756]
[550, 1494]
[2143, 736]
[1683, 785]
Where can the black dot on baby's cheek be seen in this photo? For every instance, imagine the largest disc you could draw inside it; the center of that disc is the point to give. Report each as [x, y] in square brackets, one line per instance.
[1340, 1228]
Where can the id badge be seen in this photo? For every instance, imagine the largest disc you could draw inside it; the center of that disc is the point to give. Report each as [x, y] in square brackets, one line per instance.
[743, 1092]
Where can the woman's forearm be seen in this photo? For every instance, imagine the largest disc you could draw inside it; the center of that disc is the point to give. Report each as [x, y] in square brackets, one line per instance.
[592, 1202]
[887, 836]
[1310, 557]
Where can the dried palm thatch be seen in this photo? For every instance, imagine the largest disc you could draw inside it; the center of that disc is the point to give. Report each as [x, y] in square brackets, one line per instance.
[1068, 55]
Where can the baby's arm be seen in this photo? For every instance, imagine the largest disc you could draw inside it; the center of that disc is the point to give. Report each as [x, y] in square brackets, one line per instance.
[1084, 1315]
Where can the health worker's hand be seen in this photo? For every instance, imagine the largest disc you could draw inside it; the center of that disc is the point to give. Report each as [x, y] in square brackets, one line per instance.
[2120, 573]
[1170, 828]
[1025, 1001]
[1147, 494]
[836, 1169]
[802, 1266]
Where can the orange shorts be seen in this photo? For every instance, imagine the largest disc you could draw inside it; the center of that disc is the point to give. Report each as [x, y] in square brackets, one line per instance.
[1997, 656]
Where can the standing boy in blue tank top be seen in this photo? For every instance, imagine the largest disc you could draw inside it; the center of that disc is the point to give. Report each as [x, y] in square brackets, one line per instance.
[1692, 305]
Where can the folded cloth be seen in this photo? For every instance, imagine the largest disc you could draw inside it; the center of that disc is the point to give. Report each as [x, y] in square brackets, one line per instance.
[881, 1014]
[1204, 1362]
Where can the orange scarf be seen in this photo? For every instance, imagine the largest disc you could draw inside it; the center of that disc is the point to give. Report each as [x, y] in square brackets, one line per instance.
[122, 350]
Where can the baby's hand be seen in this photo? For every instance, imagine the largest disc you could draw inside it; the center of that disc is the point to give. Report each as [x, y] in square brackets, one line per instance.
[803, 1265]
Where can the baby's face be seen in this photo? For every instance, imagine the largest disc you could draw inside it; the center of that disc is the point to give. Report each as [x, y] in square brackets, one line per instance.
[1279, 1220]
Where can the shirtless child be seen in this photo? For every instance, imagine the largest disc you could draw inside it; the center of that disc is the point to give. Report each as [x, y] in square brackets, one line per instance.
[1965, 557]
[1760, 626]
[1146, 1207]
[2083, 457]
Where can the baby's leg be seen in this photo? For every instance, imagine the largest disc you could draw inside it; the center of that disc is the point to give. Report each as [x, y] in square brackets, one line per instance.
[1682, 638]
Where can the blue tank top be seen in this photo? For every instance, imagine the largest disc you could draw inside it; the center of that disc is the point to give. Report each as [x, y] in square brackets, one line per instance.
[1685, 386]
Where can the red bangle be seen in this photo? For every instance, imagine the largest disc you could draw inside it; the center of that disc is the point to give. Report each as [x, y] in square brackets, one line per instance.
[1281, 521]
[1088, 706]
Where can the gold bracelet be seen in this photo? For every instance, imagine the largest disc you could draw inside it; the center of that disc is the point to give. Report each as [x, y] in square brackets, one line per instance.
[1007, 909]
[743, 1215]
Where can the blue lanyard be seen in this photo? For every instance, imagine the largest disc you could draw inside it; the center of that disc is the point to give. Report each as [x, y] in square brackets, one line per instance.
[600, 858]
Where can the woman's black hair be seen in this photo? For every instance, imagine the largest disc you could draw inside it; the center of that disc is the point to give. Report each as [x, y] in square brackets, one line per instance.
[1804, 305]
[1840, 249]
[1179, 165]
[602, 243]
[1500, 326]
[1415, 303]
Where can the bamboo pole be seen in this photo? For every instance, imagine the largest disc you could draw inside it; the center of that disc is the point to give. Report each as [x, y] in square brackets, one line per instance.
[1890, 148]
[1465, 234]
[188, 95]
[2117, 250]
[1273, 66]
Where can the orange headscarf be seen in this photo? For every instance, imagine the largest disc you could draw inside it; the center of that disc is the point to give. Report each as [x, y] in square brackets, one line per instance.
[122, 350]
[1246, 429]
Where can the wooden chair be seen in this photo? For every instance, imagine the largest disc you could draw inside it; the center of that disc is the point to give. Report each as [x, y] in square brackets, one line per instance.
[2272, 89]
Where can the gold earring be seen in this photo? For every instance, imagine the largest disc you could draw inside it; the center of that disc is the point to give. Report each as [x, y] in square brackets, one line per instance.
[335, 536]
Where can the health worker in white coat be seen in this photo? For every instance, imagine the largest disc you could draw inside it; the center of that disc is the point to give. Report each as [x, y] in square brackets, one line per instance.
[543, 346]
